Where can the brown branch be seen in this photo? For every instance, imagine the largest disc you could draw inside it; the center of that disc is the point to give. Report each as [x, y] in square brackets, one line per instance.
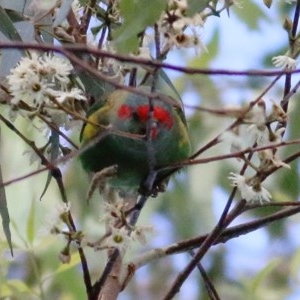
[206, 160]
[228, 234]
[143, 62]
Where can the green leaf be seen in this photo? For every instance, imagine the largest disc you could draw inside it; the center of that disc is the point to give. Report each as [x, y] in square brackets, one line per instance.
[257, 282]
[288, 184]
[196, 6]
[164, 85]
[48, 181]
[30, 223]
[93, 86]
[17, 6]
[294, 265]
[7, 27]
[250, 14]
[135, 21]
[4, 213]
[54, 152]
[13, 286]
[15, 16]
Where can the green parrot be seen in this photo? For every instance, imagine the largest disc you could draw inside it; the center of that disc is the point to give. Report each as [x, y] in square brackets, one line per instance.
[124, 117]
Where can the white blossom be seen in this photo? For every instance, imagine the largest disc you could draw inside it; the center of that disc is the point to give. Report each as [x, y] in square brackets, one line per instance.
[277, 113]
[266, 156]
[56, 68]
[73, 94]
[284, 61]
[234, 140]
[260, 135]
[53, 220]
[178, 30]
[139, 233]
[43, 82]
[113, 212]
[257, 114]
[248, 192]
[118, 238]
[262, 195]
[28, 87]
[239, 181]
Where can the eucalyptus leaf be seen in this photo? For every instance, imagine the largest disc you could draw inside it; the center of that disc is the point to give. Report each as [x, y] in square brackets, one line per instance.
[15, 16]
[94, 87]
[196, 6]
[7, 26]
[258, 280]
[12, 286]
[4, 212]
[19, 5]
[31, 223]
[25, 30]
[250, 15]
[9, 58]
[135, 21]
[54, 152]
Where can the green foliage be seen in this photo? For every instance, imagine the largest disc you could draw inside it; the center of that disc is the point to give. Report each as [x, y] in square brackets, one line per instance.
[7, 27]
[5, 214]
[251, 14]
[135, 22]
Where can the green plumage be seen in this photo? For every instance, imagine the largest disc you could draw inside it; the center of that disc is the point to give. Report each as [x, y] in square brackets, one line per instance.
[125, 115]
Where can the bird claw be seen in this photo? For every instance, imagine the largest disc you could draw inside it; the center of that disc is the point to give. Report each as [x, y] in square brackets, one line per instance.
[100, 178]
[159, 188]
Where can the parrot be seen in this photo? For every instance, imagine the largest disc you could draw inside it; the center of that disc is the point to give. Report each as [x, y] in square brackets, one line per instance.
[122, 119]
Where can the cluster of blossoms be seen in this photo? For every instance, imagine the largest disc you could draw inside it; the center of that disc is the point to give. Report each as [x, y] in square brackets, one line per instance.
[260, 135]
[284, 61]
[58, 223]
[43, 84]
[179, 30]
[120, 232]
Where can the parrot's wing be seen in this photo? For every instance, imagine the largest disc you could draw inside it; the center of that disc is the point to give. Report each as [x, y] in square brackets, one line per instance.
[96, 115]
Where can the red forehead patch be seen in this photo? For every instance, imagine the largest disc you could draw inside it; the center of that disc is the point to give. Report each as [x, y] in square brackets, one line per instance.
[159, 114]
[125, 112]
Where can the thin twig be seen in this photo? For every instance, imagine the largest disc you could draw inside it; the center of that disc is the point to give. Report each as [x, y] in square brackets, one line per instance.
[141, 61]
[212, 292]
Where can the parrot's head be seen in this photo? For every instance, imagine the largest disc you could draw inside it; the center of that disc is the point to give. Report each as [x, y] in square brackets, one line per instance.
[137, 114]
